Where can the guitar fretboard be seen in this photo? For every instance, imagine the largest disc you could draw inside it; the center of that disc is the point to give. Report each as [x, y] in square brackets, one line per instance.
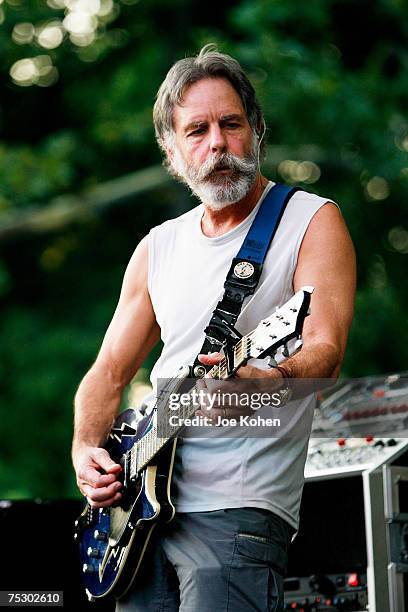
[150, 444]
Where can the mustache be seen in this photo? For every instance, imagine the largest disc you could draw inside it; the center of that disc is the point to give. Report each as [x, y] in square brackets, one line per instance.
[224, 161]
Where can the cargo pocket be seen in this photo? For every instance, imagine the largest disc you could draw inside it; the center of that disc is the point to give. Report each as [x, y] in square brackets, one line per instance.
[255, 583]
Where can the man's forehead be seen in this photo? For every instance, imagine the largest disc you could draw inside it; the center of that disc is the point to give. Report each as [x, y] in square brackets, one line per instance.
[206, 99]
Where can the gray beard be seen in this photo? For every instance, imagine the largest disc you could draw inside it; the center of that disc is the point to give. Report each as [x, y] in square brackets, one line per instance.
[218, 191]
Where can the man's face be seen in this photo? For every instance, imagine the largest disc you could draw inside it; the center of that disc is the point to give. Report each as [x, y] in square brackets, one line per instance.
[214, 149]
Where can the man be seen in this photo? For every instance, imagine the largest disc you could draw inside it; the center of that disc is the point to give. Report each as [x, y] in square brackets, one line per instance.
[237, 500]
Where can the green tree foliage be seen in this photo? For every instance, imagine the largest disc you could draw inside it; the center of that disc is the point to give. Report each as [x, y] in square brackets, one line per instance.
[334, 95]
[341, 92]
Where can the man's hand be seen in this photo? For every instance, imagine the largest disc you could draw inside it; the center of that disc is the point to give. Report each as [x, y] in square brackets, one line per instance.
[100, 489]
[258, 381]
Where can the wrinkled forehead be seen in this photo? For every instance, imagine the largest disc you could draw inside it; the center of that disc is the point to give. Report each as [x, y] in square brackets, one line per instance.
[207, 99]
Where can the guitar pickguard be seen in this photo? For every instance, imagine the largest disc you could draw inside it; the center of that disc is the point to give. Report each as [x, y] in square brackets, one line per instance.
[120, 518]
[119, 433]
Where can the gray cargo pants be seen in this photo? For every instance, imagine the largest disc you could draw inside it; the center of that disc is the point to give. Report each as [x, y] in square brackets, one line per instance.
[220, 561]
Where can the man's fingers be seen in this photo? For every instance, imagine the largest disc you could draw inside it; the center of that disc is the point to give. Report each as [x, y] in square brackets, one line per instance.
[102, 458]
[100, 488]
[106, 503]
[211, 359]
[101, 494]
[92, 477]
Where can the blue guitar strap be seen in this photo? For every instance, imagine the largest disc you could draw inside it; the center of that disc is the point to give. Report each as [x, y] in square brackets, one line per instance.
[244, 273]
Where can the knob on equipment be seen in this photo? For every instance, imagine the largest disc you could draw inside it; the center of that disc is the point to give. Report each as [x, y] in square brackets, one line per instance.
[93, 552]
[87, 568]
[322, 584]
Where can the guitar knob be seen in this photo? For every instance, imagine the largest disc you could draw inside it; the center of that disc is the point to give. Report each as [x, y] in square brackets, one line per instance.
[93, 552]
[200, 371]
[100, 535]
[87, 568]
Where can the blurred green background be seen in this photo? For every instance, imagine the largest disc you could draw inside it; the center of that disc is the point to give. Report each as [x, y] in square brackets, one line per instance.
[81, 181]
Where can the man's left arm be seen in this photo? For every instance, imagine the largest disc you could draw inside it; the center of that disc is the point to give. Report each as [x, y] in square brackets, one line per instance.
[327, 262]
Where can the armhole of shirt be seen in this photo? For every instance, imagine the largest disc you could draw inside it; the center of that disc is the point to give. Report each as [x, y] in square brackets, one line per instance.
[150, 264]
[302, 233]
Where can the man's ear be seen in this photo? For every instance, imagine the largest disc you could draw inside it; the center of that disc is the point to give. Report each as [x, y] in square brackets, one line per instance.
[261, 129]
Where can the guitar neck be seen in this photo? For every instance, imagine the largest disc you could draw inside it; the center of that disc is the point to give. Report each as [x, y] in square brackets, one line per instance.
[240, 355]
[142, 454]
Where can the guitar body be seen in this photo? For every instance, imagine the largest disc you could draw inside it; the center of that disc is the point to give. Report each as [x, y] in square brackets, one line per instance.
[113, 541]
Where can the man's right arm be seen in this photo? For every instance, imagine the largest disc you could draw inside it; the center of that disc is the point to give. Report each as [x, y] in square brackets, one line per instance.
[131, 335]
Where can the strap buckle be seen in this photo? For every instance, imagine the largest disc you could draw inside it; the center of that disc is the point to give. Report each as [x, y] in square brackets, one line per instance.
[222, 332]
[243, 276]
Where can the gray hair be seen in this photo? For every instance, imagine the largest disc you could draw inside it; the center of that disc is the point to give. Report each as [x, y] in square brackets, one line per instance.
[209, 63]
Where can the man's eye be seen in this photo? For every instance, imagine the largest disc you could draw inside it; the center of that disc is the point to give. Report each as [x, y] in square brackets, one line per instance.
[232, 125]
[197, 132]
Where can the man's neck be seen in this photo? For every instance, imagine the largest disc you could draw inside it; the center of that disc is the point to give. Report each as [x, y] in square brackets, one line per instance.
[218, 222]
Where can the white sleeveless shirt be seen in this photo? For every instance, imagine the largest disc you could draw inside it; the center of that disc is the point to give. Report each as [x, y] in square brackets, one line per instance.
[186, 275]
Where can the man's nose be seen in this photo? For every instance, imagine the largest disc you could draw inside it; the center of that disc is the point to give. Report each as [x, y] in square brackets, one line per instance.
[218, 142]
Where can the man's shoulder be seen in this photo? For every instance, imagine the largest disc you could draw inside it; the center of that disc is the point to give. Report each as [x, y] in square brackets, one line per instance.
[304, 205]
[187, 218]
[306, 197]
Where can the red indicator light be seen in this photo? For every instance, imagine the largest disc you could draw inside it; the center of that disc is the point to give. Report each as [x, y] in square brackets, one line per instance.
[293, 605]
[369, 438]
[353, 580]
[379, 393]
[341, 441]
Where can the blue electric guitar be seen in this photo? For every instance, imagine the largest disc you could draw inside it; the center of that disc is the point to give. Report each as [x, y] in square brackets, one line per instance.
[114, 540]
